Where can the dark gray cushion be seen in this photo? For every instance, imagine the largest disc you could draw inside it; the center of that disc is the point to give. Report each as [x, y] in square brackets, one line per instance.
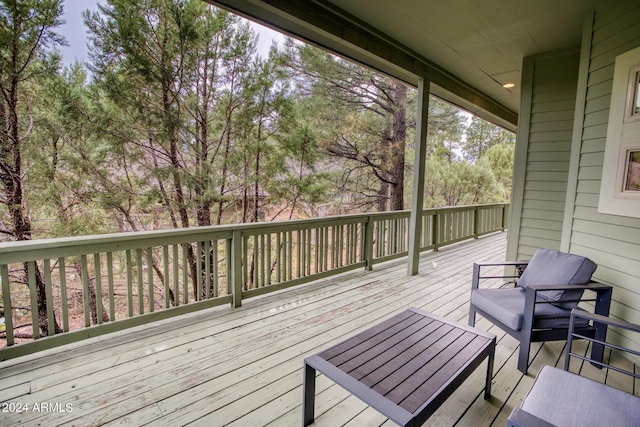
[550, 267]
[565, 399]
[507, 306]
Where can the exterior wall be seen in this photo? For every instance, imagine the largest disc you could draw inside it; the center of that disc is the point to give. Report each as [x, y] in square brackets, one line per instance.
[613, 242]
[544, 148]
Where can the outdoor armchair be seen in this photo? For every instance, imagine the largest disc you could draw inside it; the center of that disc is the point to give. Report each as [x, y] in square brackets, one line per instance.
[538, 307]
[561, 398]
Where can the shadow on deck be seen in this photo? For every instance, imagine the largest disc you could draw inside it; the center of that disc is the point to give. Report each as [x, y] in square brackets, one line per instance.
[243, 366]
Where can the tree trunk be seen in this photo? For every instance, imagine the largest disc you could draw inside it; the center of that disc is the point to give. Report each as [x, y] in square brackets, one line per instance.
[383, 196]
[398, 143]
[12, 181]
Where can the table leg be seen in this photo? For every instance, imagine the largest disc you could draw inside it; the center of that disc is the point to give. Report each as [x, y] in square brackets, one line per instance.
[487, 388]
[309, 395]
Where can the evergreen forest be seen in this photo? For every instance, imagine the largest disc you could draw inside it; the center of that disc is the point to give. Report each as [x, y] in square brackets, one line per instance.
[177, 121]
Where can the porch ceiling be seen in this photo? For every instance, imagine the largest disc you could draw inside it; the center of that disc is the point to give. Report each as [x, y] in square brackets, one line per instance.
[470, 48]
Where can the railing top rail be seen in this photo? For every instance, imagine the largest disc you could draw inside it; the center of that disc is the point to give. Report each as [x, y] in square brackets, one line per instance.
[78, 245]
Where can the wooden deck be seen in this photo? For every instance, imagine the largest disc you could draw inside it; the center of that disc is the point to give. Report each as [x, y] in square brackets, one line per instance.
[243, 367]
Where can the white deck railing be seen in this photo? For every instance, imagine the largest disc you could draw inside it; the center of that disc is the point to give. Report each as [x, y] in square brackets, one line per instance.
[58, 291]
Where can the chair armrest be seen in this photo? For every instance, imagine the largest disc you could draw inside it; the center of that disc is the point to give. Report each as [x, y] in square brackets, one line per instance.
[591, 286]
[603, 294]
[610, 321]
[503, 263]
[477, 266]
[521, 418]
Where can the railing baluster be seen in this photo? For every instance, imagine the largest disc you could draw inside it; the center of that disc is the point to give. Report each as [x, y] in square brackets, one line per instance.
[290, 255]
[6, 300]
[235, 254]
[347, 243]
[198, 271]
[229, 265]
[260, 260]
[476, 223]
[309, 252]
[305, 252]
[110, 284]
[207, 269]
[98, 286]
[333, 247]
[326, 249]
[284, 259]
[318, 249]
[435, 227]
[129, 267]
[85, 290]
[35, 320]
[299, 252]
[340, 245]
[215, 269]
[267, 257]
[278, 259]
[51, 324]
[63, 294]
[150, 286]
[315, 242]
[354, 246]
[245, 265]
[185, 273]
[381, 237]
[165, 273]
[140, 281]
[176, 276]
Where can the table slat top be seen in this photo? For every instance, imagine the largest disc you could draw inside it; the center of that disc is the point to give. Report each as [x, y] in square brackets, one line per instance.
[408, 357]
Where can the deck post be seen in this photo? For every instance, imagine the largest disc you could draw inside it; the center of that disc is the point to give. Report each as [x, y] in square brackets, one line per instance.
[368, 243]
[415, 221]
[505, 216]
[476, 222]
[236, 268]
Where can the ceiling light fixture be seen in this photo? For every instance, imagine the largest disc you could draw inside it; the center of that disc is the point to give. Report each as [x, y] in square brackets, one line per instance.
[508, 85]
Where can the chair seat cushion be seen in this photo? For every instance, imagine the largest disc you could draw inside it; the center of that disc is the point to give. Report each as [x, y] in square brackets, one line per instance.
[507, 306]
[550, 267]
[565, 399]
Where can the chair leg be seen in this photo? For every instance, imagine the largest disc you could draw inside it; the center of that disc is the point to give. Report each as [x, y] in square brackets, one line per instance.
[602, 307]
[527, 327]
[472, 315]
[523, 357]
[475, 283]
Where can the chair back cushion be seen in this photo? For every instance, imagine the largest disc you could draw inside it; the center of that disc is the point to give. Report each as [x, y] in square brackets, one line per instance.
[550, 267]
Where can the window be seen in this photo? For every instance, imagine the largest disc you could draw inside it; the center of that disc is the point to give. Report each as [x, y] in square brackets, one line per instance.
[620, 185]
[636, 103]
[632, 171]
[633, 95]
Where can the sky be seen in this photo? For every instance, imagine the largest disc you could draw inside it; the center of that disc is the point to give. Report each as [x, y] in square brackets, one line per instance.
[75, 32]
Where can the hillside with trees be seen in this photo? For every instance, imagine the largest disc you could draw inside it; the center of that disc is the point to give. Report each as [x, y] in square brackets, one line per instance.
[177, 121]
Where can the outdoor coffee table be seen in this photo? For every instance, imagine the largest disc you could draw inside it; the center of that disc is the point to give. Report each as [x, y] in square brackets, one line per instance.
[405, 367]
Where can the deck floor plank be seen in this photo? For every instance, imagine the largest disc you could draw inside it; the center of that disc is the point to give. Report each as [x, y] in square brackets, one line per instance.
[243, 367]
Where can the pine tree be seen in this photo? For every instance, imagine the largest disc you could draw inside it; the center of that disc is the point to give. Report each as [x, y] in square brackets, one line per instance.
[27, 35]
